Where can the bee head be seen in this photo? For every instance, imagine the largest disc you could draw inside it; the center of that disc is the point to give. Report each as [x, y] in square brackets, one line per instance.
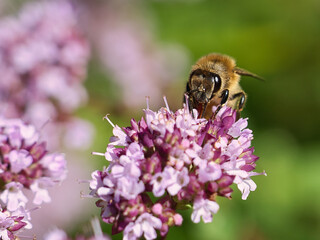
[203, 85]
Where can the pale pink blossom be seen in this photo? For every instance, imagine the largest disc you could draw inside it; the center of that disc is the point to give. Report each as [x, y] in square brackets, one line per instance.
[209, 172]
[204, 208]
[145, 225]
[13, 196]
[19, 160]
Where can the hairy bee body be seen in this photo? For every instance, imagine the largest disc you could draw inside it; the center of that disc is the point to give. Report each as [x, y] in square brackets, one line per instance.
[214, 81]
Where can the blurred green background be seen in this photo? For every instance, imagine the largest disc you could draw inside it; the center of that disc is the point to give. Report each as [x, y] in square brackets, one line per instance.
[278, 40]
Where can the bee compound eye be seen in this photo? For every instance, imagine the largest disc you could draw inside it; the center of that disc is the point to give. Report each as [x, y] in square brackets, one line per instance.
[216, 80]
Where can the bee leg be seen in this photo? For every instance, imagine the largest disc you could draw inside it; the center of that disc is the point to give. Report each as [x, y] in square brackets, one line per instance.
[187, 97]
[224, 98]
[187, 100]
[241, 102]
[190, 105]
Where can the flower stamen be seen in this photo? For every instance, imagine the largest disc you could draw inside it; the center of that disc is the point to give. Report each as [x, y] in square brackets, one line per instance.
[106, 117]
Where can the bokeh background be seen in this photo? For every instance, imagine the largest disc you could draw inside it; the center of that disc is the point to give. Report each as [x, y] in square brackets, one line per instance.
[146, 47]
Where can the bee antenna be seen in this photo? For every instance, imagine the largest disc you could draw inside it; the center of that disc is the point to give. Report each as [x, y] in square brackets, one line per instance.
[244, 72]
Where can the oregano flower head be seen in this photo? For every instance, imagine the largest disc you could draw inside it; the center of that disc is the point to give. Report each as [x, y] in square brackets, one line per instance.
[169, 161]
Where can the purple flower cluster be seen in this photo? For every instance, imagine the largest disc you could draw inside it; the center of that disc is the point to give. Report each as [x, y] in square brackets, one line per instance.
[43, 62]
[179, 159]
[24, 165]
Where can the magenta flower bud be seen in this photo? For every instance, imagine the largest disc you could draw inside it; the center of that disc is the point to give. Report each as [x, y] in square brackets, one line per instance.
[225, 191]
[18, 225]
[225, 181]
[147, 141]
[213, 187]
[157, 209]
[5, 149]
[178, 219]
[164, 229]
[38, 151]
[247, 168]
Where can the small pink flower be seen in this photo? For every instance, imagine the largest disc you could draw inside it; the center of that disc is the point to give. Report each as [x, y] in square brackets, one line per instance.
[19, 160]
[55, 166]
[209, 172]
[202, 154]
[131, 169]
[96, 182]
[145, 225]
[204, 208]
[245, 185]
[236, 129]
[178, 219]
[40, 189]
[119, 137]
[178, 180]
[134, 151]
[129, 188]
[105, 192]
[132, 232]
[159, 184]
[13, 196]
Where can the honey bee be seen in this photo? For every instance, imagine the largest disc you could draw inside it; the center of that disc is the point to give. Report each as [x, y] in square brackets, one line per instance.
[214, 81]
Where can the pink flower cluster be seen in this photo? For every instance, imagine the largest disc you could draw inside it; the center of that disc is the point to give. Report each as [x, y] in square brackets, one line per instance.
[24, 165]
[181, 160]
[43, 61]
[58, 234]
[123, 37]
